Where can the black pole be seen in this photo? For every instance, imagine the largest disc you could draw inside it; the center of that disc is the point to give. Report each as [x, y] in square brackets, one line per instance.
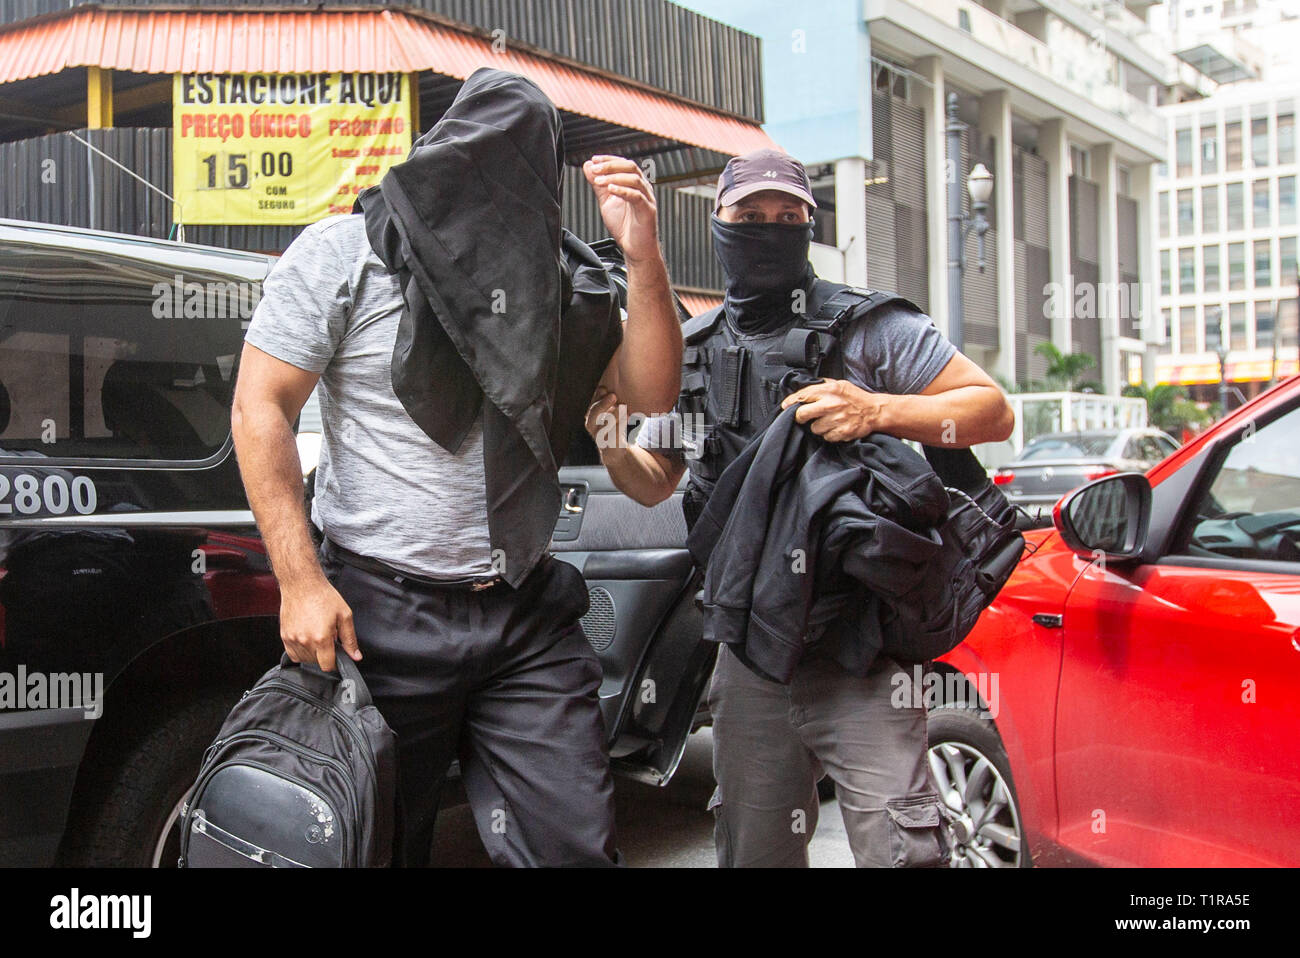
[956, 312]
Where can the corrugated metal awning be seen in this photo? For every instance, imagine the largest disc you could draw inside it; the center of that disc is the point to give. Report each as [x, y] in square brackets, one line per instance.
[697, 303]
[352, 41]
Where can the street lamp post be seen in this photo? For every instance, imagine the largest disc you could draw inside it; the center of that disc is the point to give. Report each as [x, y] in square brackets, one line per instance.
[980, 186]
[1218, 344]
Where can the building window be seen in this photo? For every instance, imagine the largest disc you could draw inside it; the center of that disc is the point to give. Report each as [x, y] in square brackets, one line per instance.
[1237, 326]
[1187, 270]
[1232, 145]
[1286, 200]
[1163, 200]
[1288, 314]
[1187, 329]
[1210, 256]
[1259, 142]
[1236, 266]
[1166, 333]
[1210, 148]
[1262, 216]
[1166, 280]
[1263, 263]
[1285, 132]
[1183, 151]
[1213, 332]
[1236, 193]
[1286, 256]
[1264, 319]
[1186, 212]
[1210, 209]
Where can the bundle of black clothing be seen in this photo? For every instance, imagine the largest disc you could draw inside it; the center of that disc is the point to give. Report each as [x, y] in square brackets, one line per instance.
[506, 314]
[835, 545]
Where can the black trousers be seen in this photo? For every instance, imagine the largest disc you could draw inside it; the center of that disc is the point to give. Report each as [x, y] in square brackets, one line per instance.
[505, 680]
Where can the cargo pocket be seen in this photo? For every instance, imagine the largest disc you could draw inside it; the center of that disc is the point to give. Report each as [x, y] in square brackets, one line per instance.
[917, 838]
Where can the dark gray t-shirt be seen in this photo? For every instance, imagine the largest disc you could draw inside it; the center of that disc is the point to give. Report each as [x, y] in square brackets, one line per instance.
[897, 350]
[384, 489]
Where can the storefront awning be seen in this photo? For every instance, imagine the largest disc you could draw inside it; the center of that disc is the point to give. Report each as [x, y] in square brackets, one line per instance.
[1205, 371]
[353, 41]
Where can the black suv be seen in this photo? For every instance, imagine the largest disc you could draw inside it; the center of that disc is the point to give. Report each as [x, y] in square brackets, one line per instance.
[136, 601]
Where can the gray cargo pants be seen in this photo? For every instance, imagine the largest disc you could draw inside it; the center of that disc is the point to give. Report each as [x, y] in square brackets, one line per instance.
[772, 742]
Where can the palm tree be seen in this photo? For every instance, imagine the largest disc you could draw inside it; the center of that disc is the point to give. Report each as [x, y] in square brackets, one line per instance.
[1064, 369]
[1168, 407]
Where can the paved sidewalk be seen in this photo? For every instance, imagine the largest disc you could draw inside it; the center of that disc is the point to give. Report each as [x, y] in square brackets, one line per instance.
[657, 827]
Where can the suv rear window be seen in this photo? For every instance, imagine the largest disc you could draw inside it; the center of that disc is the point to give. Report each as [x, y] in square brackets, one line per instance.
[110, 356]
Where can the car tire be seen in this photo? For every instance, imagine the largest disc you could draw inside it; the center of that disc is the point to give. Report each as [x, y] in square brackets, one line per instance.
[128, 796]
[983, 819]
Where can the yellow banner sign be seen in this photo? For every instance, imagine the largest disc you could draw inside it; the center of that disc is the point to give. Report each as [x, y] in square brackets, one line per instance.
[282, 149]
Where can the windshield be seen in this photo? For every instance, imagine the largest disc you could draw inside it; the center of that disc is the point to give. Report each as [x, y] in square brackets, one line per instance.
[1067, 447]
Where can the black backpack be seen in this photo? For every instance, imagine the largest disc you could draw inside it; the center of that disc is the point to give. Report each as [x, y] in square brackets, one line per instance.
[302, 775]
[981, 543]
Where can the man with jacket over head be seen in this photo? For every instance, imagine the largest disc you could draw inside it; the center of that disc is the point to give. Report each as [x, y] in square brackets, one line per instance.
[457, 334]
[773, 741]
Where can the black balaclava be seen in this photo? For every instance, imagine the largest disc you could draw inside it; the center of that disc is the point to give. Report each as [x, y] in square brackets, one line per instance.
[764, 264]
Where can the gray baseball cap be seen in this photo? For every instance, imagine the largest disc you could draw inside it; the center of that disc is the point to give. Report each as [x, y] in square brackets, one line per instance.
[762, 170]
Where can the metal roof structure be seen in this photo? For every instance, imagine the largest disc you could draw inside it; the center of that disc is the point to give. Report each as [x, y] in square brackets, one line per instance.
[280, 41]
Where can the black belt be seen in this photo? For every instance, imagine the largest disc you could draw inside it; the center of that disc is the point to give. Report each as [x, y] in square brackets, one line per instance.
[376, 567]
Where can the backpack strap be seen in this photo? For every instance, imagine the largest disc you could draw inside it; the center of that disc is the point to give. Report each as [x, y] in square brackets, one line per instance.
[832, 304]
[830, 307]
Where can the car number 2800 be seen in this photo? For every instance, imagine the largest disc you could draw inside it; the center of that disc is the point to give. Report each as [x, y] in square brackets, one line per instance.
[28, 495]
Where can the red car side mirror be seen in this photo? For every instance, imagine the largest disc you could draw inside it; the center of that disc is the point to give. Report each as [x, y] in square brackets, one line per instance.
[1108, 517]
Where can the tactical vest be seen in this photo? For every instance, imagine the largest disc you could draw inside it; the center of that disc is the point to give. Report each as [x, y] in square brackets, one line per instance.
[733, 384]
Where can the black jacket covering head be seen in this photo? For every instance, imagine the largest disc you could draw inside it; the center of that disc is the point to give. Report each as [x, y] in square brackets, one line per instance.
[802, 538]
[501, 303]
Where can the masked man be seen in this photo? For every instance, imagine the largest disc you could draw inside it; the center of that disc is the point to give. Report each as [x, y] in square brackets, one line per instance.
[457, 335]
[773, 741]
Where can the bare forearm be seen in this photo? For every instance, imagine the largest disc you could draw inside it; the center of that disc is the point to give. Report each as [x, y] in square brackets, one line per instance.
[272, 474]
[640, 474]
[961, 417]
[650, 360]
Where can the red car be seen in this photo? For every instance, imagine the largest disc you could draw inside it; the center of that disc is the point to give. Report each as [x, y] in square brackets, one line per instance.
[1133, 695]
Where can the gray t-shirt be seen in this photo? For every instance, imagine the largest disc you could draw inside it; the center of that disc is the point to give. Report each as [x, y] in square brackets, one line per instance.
[384, 489]
[896, 351]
